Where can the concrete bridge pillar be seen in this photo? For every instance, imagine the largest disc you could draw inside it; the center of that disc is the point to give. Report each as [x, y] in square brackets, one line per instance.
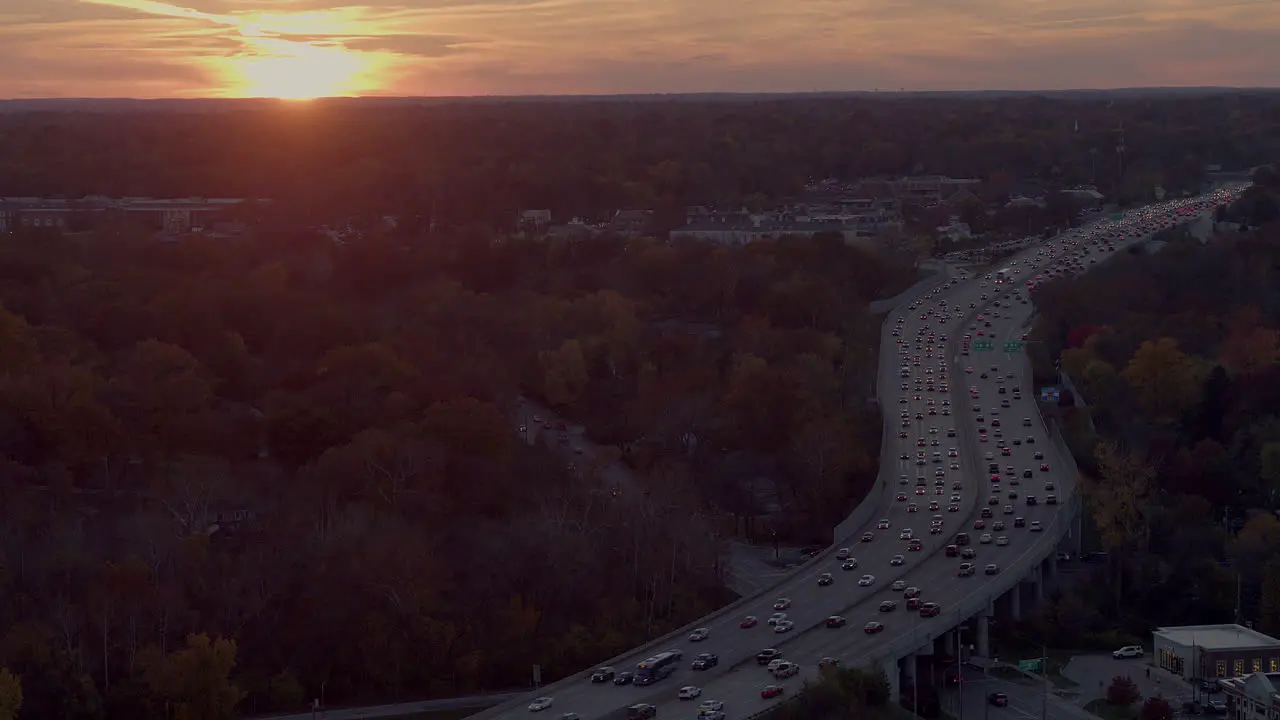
[1050, 571]
[893, 673]
[909, 668]
[984, 640]
[1015, 602]
[1038, 577]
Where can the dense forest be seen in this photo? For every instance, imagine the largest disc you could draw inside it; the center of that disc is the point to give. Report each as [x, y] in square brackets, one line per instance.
[462, 163]
[1176, 355]
[344, 416]
[243, 473]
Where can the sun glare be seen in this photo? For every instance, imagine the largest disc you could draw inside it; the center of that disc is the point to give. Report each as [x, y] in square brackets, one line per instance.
[299, 71]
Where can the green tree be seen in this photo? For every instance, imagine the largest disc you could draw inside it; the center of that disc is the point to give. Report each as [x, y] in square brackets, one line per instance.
[1269, 465]
[10, 695]
[166, 396]
[1269, 602]
[470, 426]
[194, 683]
[564, 373]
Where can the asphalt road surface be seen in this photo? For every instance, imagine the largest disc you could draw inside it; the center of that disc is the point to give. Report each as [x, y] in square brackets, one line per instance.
[738, 680]
[1027, 701]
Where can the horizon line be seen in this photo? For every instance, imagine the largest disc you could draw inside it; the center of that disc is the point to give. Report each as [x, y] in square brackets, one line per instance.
[720, 93]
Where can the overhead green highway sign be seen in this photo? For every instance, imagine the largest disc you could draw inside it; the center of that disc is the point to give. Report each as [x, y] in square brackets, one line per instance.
[1012, 346]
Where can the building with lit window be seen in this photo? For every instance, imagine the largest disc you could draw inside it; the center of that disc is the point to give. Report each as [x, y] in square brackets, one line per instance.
[1255, 696]
[1215, 651]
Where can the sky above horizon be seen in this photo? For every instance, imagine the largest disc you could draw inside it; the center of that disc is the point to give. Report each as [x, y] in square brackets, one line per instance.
[312, 48]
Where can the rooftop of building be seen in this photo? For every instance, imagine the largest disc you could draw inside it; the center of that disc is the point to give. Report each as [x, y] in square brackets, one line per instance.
[1264, 683]
[1217, 637]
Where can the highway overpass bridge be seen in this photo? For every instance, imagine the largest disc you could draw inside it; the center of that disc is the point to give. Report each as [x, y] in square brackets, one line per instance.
[914, 420]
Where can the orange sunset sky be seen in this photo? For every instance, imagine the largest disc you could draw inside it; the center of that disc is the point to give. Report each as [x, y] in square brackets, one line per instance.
[311, 48]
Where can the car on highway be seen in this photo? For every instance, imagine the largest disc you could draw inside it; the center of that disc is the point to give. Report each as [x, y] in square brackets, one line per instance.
[705, 661]
[836, 621]
[641, 711]
[965, 570]
[540, 704]
[603, 675]
[699, 634]
[709, 706]
[825, 579]
[873, 627]
[867, 580]
[768, 655]
[748, 622]
[781, 603]
[690, 692]
[998, 699]
[930, 609]
[771, 691]
[783, 626]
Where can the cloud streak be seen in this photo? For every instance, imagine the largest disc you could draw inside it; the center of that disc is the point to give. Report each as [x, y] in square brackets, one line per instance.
[302, 47]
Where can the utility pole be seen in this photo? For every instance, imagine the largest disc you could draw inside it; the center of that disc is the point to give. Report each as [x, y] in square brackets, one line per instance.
[1044, 670]
[1237, 595]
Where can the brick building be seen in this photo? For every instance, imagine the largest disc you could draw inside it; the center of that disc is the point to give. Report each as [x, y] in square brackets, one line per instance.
[1215, 651]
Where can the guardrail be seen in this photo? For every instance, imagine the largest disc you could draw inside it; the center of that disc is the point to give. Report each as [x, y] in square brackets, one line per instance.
[860, 515]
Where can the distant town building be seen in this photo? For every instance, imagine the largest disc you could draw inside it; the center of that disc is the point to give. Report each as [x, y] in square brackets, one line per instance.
[171, 216]
[918, 190]
[535, 221]
[955, 231]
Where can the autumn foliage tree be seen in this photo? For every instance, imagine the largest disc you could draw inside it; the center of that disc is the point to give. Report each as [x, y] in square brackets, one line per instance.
[10, 695]
[1156, 708]
[1123, 692]
[194, 683]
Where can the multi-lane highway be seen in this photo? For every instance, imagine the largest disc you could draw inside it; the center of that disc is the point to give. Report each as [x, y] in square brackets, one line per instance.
[935, 399]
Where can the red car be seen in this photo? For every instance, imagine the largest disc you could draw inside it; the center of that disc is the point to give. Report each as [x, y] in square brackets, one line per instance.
[771, 691]
[748, 622]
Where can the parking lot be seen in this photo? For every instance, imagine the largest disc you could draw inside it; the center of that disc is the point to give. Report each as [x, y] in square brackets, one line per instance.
[1093, 674]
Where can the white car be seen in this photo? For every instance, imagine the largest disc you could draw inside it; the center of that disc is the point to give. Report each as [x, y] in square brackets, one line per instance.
[707, 706]
[1128, 651]
[985, 539]
[540, 704]
[899, 585]
[1002, 541]
[689, 692]
[699, 634]
[783, 626]
[866, 580]
[777, 617]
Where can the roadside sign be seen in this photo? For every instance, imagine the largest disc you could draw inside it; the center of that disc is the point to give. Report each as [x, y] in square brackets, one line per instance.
[1030, 665]
[983, 345]
[1012, 346]
[1050, 394]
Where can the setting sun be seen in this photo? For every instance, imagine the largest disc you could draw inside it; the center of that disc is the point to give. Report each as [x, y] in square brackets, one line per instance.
[298, 71]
